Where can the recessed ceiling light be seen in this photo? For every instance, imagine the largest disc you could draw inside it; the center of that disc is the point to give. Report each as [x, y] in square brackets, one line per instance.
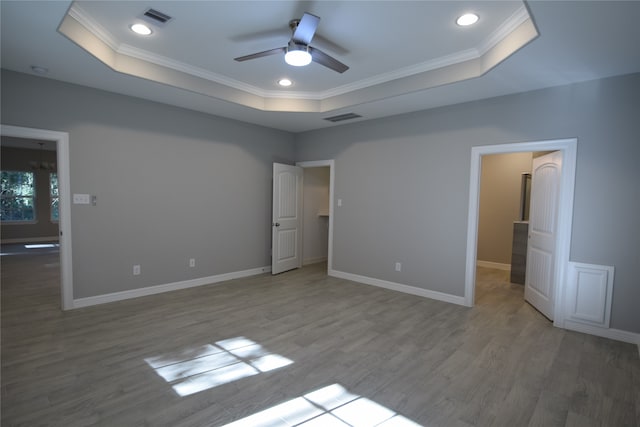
[285, 82]
[467, 19]
[141, 29]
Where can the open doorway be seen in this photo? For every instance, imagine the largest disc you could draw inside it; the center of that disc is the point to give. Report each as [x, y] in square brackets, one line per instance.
[315, 223]
[40, 163]
[562, 239]
[502, 227]
[503, 230]
[500, 209]
[29, 191]
[317, 233]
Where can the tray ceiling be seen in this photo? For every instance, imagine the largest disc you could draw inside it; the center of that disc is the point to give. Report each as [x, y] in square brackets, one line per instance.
[403, 56]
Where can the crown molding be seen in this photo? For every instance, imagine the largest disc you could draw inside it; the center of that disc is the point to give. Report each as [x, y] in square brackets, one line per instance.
[501, 33]
[412, 70]
[163, 61]
[77, 13]
[296, 100]
[505, 29]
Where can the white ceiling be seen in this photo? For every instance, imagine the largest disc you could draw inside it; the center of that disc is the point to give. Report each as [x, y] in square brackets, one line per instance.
[403, 56]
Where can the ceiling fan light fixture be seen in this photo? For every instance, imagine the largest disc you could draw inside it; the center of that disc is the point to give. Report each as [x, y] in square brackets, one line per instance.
[297, 55]
[298, 52]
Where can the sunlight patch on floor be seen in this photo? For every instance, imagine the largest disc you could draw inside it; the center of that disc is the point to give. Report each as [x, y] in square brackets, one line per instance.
[327, 407]
[196, 369]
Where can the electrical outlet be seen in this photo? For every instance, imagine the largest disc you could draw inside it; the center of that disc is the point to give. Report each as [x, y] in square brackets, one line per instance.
[136, 270]
[398, 266]
[192, 262]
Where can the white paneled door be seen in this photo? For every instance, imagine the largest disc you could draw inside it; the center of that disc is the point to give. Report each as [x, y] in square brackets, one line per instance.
[286, 226]
[543, 218]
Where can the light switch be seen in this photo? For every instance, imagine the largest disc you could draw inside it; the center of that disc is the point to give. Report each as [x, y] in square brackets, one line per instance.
[81, 199]
[339, 202]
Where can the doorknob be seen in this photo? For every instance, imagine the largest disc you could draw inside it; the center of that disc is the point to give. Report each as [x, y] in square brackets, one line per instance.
[276, 224]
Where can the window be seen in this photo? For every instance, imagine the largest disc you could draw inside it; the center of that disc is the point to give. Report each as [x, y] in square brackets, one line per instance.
[18, 197]
[54, 197]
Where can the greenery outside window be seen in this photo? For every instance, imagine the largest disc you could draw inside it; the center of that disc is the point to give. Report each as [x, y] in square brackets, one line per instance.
[18, 197]
[54, 197]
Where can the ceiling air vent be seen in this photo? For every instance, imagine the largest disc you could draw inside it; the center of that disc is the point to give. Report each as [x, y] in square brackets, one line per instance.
[156, 17]
[342, 117]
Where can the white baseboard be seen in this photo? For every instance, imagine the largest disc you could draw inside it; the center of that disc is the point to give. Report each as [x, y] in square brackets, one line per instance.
[151, 290]
[496, 265]
[614, 334]
[440, 296]
[30, 240]
[309, 261]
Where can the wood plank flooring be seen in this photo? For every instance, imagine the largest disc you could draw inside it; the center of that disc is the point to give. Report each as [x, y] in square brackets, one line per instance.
[431, 363]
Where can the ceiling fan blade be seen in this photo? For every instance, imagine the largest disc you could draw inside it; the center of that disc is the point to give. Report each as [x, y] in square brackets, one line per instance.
[323, 59]
[306, 29]
[261, 54]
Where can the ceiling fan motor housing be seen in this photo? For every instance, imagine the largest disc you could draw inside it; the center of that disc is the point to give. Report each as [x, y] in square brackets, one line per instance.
[293, 24]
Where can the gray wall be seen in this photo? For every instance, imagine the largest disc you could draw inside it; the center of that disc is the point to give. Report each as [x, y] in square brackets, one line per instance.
[500, 185]
[174, 184]
[171, 184]
[316, 228]
[404, 182]
[17, 159]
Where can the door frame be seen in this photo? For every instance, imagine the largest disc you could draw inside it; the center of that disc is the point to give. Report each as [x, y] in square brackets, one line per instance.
[64, 193]
[565, 213]
[331, 165]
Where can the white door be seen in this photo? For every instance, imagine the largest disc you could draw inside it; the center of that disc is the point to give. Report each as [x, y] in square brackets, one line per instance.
[286, 226]
[543, 218]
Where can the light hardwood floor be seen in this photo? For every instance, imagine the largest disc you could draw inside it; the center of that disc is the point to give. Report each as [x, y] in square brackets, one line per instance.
[436, 364]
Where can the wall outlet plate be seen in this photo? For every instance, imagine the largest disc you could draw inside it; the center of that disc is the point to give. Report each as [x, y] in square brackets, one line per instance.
[81, 199]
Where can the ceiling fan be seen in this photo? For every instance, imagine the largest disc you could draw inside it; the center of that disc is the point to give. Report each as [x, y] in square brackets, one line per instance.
[298, 52]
